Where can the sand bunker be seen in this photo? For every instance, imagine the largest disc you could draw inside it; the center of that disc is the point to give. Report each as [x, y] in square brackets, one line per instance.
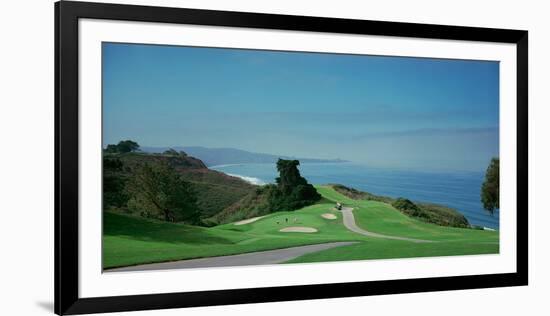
[298, 229]
[329, 216]
[248, 221]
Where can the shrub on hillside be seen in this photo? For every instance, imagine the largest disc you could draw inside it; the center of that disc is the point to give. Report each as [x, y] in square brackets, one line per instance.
[361, 195]
[407, 207]
[442, 215]
[431, 213]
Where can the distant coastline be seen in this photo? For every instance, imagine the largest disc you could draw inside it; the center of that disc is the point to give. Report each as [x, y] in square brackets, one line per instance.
[214, 157]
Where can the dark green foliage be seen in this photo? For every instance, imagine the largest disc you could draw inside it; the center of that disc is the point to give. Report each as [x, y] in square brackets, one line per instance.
[112, 164]
[111, 149]
[124, 146]
[442, 215]
[114, 182]
[490, 187]
[289, 175]
[292, 191]
[170, 152]
[158, 191]
[127, 146]
[173, 152]
[431, 213]
[407, 206]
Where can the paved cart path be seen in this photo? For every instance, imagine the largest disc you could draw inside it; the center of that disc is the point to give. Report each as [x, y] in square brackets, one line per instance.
[253, 258]
[349, 222]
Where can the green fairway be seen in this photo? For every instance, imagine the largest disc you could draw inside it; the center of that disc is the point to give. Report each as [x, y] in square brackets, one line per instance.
[391, 249]
[382, 218]
[131, 240]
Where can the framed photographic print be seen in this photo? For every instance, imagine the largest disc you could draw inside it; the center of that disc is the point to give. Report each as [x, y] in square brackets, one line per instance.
[208, 157]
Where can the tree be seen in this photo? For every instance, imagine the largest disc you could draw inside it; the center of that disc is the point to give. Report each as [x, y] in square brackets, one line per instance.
[490, 187]
[289, 175]
[126, 146]
[111, 149]
[114, 182]
[157, 190]
[123, 146]
[171, 152]
[292, 190]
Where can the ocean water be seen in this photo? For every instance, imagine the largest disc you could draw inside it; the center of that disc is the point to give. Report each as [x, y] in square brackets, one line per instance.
[459, 190]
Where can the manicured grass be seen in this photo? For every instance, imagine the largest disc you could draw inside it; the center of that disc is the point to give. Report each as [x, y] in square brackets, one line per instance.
[308, 216]
[382, 218]
[390, 249]
[131, 240]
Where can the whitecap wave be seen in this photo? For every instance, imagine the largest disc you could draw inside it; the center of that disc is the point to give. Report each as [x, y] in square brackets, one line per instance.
[223, 166]
[251, 180]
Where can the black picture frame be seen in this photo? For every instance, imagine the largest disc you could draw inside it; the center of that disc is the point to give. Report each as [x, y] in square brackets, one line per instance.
[67, 15]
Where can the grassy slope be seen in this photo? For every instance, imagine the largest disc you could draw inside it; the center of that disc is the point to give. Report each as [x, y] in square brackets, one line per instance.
[252, 205]
[426, 212]
[215, 190]
[382, 218]
[132, 240]
[392, 249]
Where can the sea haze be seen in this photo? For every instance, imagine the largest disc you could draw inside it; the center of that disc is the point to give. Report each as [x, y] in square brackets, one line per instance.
[459, 190]
[225, 156]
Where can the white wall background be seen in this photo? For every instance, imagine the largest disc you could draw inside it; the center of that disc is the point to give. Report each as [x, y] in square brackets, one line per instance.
[26, 160]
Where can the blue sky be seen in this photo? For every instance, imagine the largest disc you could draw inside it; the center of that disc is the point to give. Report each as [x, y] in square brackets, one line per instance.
[414, 113]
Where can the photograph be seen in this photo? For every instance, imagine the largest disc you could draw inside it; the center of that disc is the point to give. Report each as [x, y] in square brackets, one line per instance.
[224, 157]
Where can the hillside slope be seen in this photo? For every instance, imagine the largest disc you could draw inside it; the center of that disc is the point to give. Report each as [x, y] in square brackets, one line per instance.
[214, 190]
[252, 205]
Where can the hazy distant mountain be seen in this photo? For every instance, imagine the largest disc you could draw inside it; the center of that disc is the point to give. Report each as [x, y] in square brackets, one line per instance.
[223, 156]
